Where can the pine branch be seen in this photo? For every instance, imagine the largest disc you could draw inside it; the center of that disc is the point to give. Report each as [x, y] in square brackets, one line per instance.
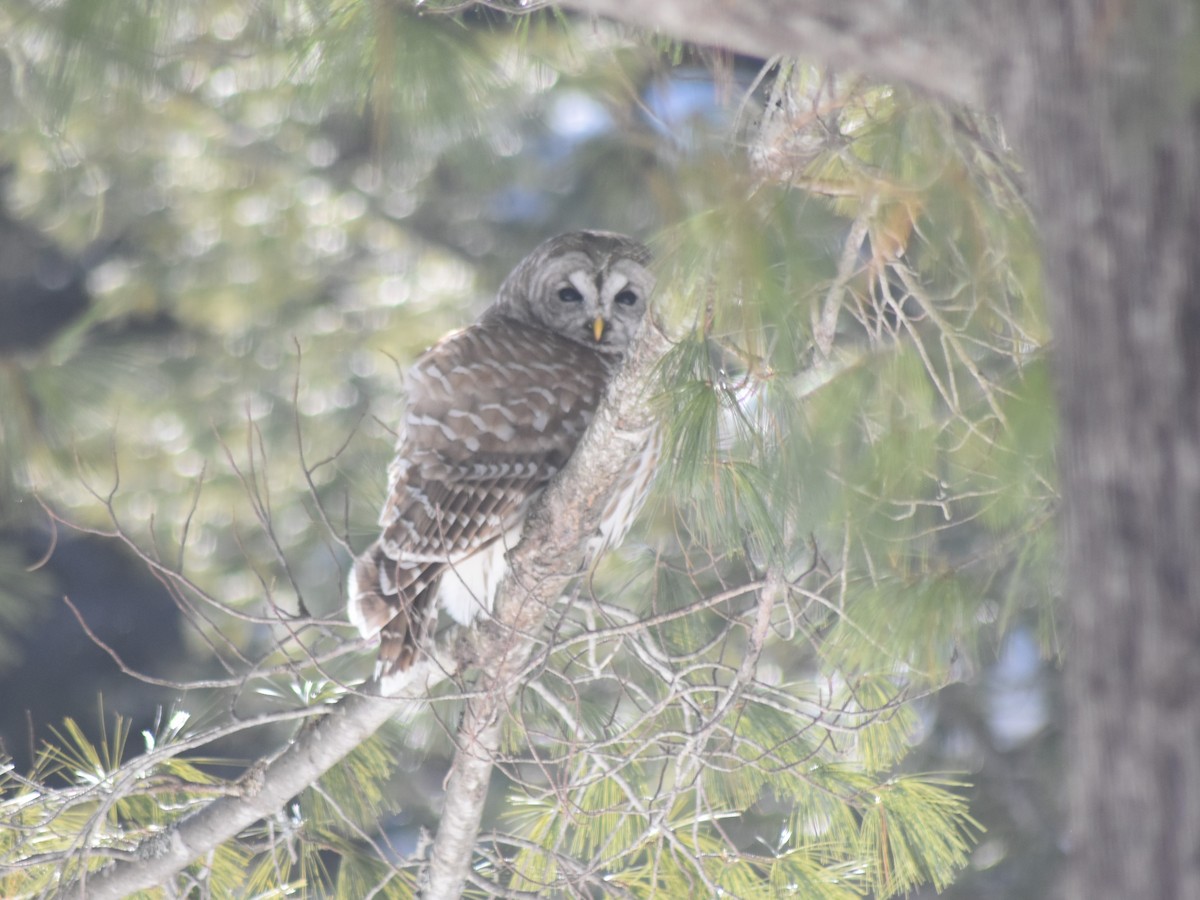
[266, 787]
[861, 35]
[552, 552]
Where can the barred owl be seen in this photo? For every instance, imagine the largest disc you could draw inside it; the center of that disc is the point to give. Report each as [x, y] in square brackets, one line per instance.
[494, 412]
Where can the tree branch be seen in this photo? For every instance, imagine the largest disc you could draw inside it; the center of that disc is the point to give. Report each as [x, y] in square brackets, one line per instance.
[312, 752]
[552, 552]
[550, 555]
[906, 41]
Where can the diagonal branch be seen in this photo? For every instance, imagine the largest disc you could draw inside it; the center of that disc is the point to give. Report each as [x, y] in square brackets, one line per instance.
[902, 41]
[552, 551]
[263, 791]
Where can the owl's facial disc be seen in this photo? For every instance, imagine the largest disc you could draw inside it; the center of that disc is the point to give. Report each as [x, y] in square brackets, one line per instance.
[590, 287]
[602, 306]
[581, 291]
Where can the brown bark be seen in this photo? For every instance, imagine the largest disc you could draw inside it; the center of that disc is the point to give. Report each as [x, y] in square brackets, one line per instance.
[1113, 143]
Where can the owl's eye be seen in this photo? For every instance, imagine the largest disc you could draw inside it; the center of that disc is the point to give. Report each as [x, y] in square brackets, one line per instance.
[569, 295]
[626, 297]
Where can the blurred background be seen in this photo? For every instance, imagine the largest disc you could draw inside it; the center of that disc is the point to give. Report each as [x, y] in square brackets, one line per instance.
[225, 229]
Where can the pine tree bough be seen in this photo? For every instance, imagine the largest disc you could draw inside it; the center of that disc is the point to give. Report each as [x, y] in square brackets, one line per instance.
[903, 42]
[314, 751]
[548, 557]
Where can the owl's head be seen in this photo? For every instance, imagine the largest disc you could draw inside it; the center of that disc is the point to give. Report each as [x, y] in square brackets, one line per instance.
[589, 286]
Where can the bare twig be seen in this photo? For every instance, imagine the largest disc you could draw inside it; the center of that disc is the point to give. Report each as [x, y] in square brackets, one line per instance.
[825, 324]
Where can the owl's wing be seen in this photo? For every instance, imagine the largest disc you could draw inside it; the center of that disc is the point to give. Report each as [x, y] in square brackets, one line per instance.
[494, 413]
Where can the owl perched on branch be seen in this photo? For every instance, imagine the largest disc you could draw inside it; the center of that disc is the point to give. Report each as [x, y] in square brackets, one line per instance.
[494, 413]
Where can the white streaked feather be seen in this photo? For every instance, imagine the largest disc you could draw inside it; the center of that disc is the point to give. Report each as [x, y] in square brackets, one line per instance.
[355, 612]
[624, 505]
[469, 587]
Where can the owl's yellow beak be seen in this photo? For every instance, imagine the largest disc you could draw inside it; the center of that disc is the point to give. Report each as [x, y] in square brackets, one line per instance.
[598, 328]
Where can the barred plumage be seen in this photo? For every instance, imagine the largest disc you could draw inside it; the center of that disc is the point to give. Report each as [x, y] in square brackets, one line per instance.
[494, 413]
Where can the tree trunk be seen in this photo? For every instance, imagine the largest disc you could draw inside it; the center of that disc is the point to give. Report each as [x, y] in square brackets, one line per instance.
[1113, 144]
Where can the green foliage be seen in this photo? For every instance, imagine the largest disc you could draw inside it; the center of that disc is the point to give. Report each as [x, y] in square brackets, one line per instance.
[117, 797]
[80, 789]
[879, 480]
[907, 850]
[858, 475]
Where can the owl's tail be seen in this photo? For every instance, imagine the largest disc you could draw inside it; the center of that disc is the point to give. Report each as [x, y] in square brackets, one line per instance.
[391, 599]
[367, 609]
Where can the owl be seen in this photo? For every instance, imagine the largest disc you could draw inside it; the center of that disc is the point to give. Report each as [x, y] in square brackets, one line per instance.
[494, 412]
